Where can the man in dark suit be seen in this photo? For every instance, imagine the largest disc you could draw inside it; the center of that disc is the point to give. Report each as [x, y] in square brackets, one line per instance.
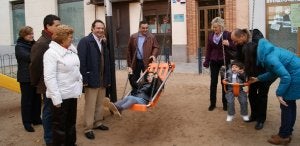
[95, 69]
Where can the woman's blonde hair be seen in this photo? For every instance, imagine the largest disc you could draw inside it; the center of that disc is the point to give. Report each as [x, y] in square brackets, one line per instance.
[25, 30]
[62, 33]
[219, 21]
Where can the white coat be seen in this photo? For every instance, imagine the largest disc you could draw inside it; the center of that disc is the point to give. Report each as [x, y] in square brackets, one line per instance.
[61, 73]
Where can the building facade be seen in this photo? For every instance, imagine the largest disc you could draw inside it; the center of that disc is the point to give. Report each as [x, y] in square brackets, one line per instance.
[181, 26]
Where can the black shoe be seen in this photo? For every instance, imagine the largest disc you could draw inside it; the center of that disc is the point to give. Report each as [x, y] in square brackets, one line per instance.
[211, 107]
[29, 128]
[259, 125]
[89, 135]
[251, 119]
[102, 127]
[49, 144]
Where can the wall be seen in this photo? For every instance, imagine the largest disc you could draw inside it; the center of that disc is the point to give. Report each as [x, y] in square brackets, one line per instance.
[242, 14]
[34, 17]
[192, 30]
[89, 16]
[179, 33]
[259, 15]
[134, 17]
[6, 37]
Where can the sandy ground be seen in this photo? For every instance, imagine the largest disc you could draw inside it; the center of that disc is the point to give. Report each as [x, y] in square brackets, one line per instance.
[181, 118]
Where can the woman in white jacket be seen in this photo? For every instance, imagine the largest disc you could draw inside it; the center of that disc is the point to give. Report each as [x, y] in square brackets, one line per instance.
[64, 85]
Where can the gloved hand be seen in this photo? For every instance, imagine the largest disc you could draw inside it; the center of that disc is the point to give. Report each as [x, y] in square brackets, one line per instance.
[206, 63]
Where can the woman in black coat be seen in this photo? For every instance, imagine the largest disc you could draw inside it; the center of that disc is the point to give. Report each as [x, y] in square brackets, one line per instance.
[30, 100]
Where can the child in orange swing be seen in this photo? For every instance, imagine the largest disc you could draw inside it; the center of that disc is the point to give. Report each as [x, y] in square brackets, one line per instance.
[236, 75]
[141, 93]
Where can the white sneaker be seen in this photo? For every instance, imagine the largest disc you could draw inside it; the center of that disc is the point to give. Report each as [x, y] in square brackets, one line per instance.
[229, 118]
[245, 118]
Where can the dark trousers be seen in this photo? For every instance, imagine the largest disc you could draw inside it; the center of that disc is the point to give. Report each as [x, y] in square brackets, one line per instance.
[47, 119]
[30, 104]
[215, 67]
[64, 123]
[258, 99]
[137, 71]
[288, 118]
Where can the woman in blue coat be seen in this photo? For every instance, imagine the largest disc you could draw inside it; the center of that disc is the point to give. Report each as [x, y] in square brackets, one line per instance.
[284, 64]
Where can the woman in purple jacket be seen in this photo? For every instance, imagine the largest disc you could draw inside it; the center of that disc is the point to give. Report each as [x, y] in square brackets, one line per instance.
[214, 58]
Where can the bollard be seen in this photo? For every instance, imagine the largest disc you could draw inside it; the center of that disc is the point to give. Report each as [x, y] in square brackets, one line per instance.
[199, 60]
[167, 54]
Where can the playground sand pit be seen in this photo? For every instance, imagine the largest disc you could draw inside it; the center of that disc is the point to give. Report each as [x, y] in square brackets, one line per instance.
[180, 118]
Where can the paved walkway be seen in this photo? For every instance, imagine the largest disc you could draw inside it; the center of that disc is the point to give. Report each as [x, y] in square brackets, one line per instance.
[181, 67]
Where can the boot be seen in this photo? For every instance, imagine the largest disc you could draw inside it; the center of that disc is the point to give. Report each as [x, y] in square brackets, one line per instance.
[277, 140]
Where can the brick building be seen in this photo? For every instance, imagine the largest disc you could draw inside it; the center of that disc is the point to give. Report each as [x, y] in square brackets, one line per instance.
[187, 21]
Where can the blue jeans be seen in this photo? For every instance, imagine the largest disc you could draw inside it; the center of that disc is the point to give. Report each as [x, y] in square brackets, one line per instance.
[128, 101]
[47, 119]
[288, 118]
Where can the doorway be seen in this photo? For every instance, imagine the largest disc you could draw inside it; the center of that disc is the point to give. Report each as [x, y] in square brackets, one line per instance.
[208, 10]
[206, 15]
[121, 28]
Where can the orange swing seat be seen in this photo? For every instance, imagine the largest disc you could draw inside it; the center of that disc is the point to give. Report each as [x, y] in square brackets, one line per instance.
[235, 87]
[163, 71]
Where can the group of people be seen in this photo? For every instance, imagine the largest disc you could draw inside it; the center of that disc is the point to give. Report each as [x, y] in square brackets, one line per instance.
[261, 62]
[53, 68]
[56, 70]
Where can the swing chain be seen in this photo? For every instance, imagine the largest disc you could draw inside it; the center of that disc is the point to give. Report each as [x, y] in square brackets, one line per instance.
[252, 18]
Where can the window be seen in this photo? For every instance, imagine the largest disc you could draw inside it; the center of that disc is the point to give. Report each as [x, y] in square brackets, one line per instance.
[280, 30]
[159, 23]
[18, 17]
[71, 13]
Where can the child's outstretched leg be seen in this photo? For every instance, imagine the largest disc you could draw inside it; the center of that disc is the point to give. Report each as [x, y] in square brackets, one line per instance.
[130, 100]
[230, 106]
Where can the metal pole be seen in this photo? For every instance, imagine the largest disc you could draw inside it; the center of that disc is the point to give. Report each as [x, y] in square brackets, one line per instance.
[109, 28]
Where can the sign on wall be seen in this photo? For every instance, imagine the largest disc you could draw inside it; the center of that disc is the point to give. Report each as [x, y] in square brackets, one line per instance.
[295, 13]
[178, 18]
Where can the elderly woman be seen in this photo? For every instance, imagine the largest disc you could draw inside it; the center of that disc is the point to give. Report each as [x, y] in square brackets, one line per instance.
[64, 85]
[278, 62]
[30, 101]
[215, 58]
